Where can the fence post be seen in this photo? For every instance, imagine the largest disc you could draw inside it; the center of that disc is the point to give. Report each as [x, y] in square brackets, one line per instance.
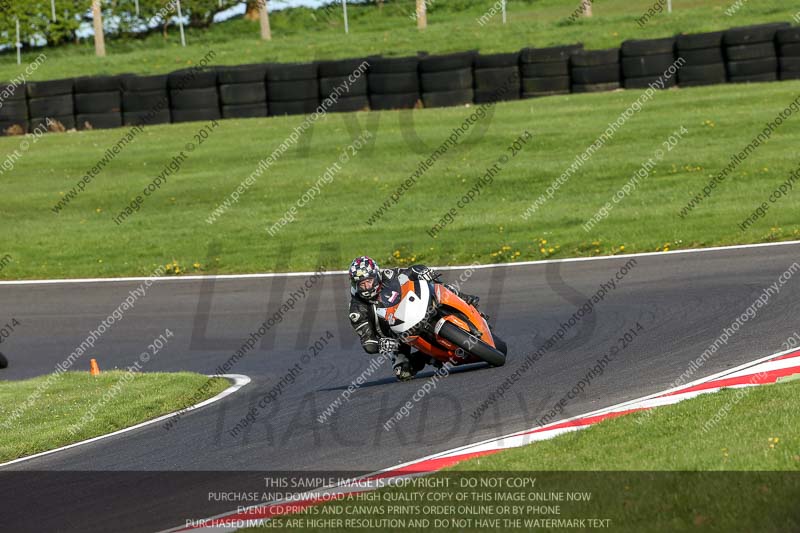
[344, 9]
[180, 24]
[19, 46]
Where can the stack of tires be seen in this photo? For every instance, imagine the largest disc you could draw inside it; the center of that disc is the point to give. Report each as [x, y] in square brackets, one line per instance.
[595, 70]
[545, 71]
[645, 61]
[750, 53]
[13, 107]
[496, 78]
[292, 89]
[98, 103]
[348, 79]
[53, 100]
[393, 83]
[703, 61]
[145, 100]
[789, 48]
[193, 95]
[446, 80]
[243, 91]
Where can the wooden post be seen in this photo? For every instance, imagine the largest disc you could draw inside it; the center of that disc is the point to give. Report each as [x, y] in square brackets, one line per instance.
[99, 38]
[263, 16]
[422, 16]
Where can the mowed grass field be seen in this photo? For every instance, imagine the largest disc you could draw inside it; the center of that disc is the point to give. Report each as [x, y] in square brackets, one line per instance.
[78, 406]
[663, 472]
[305, 34]
[171, 227]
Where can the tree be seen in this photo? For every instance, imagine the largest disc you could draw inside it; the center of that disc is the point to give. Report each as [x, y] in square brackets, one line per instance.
[99, 37]
[36, 24]
[422, 16]
[253, 10]
[266, 33]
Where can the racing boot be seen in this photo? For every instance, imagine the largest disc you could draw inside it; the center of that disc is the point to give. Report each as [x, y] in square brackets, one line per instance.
[419, 360]
[470, 299]
[402, 367]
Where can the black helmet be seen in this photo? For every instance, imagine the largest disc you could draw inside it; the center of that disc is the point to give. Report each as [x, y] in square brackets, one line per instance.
[365, 277]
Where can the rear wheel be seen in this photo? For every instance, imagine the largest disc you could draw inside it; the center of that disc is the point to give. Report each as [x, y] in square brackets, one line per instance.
[3, 361]
[472, 344]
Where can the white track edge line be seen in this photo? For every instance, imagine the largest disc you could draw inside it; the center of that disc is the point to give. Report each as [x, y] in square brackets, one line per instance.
[239, 381]
[464, 448]
[339, 272]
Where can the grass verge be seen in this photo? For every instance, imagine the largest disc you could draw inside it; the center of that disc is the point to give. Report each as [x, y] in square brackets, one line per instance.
[171, 225]
[78, 406]
[663, 472]
[306, 34]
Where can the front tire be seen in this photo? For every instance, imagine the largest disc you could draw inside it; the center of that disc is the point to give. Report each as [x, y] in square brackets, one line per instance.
[472, 344]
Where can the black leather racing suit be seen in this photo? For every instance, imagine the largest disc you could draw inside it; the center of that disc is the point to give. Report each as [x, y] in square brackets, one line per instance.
[370, 328]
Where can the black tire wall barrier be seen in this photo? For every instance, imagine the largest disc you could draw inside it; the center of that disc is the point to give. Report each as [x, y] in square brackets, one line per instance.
[788, 41]
[98, 102]
[643, 62]
[595, 70]
[704, 59]
[764, 52]
[447, 80]
[145, 100]
[393, 83]
[51, 100]
[243, 91]
[545, 71]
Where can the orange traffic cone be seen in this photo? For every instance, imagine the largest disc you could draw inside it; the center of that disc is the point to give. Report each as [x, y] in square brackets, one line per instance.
[94, 369]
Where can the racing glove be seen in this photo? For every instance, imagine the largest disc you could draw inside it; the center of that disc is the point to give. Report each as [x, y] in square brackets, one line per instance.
[388, 346]
[424, 273]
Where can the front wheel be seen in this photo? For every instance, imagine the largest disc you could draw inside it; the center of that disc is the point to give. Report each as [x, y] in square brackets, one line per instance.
[472, 344]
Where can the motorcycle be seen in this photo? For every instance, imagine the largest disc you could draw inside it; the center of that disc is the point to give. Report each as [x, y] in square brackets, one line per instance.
[431, 318]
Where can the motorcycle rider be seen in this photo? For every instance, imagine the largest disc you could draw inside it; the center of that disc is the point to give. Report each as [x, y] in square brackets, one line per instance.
[366, 280]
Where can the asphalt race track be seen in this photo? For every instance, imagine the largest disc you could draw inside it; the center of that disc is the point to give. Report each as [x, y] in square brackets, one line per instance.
[682, 300]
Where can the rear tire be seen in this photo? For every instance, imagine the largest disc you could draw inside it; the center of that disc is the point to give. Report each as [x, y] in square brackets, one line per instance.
[472, 345]
[3, 361]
